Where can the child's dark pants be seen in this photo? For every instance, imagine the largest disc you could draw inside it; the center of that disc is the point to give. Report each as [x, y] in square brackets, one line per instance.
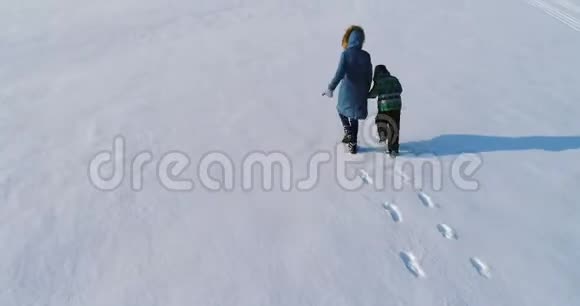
[350, 127]
[388, 127]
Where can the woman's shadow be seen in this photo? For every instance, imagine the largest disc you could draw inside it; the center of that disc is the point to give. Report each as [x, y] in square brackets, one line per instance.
[455, 144]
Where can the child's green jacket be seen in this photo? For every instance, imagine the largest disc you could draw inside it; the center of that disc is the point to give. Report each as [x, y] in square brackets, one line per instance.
[387, 89]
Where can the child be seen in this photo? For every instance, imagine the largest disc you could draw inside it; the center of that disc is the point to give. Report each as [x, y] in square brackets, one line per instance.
[387, 89]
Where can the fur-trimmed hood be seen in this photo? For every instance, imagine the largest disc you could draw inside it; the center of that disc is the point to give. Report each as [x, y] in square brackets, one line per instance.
[354, 74]
[354, 36]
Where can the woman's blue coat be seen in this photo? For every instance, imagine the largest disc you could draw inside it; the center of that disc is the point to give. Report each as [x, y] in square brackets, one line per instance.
[355, 72]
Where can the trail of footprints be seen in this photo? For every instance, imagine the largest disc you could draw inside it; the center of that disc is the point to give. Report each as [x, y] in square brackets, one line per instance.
[448, 232]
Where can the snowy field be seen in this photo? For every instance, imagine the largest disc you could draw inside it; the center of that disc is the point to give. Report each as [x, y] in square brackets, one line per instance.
[491, 104]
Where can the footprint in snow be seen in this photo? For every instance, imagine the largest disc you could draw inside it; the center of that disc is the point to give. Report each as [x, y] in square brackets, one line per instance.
[481, 267]
[394, 211]
[365, 177]
[412, 264]
[447, 231]
[426, 200]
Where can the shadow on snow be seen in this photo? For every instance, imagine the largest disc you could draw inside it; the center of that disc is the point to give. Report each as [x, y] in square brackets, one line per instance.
[455, 144]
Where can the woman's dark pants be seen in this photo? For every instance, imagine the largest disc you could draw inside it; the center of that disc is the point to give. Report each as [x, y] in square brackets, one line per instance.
[350, 128]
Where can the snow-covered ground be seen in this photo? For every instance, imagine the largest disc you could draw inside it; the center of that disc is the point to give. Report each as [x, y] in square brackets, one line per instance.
[497, 79]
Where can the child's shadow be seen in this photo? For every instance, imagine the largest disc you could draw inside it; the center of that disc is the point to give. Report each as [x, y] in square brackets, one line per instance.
[455, 144]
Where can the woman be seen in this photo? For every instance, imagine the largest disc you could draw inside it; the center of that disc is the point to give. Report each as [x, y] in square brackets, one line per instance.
[355, 72]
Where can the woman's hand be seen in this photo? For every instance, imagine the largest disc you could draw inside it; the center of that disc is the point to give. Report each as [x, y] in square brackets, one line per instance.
[327, 93]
